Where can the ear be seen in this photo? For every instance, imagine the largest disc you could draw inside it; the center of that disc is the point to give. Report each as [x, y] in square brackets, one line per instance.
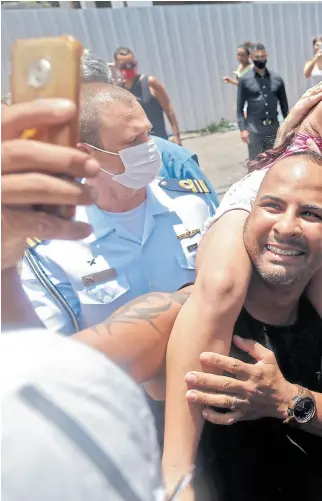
[83, 147]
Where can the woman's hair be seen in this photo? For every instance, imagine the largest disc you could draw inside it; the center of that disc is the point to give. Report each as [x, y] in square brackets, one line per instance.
[269, 156]
[246, 46]
[273, 155]
[317, 39]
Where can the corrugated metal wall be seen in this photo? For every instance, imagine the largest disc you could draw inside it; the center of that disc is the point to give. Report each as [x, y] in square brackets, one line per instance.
[189, 48]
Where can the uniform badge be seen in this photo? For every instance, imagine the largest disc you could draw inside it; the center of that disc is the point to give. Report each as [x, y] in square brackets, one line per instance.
[100, 276]
[190, 185]
[192, 247]
[188, 234]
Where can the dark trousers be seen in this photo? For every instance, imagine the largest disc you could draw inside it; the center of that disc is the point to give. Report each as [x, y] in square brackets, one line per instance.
[261, 140]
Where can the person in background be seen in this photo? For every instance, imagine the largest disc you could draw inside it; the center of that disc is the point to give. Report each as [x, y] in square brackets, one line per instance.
[146, 231]
[149, 92]
[74, 426]
[313, 67]
[244, 63]
[262, 90]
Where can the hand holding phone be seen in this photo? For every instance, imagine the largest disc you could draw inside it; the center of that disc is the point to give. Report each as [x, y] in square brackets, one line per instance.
[48, 68]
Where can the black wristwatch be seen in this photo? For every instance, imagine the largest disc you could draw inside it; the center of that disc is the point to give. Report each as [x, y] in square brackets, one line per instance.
[302, 407]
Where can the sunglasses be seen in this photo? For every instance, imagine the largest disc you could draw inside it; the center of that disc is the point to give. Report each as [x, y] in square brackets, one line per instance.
[127, 66]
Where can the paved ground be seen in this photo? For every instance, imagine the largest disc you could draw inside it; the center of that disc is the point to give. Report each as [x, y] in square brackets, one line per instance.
[221, 156]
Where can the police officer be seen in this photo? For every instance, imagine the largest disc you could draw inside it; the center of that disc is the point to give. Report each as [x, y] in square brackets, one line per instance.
[262, 90]
[145, 230]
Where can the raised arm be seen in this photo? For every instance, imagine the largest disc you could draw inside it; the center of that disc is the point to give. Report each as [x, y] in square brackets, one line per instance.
[205, 323]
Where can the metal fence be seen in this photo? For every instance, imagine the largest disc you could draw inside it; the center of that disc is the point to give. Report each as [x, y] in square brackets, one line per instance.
[188, 48]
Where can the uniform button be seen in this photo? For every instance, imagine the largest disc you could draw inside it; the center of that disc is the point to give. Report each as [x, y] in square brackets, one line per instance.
[152, 285]
[266, 112]
[264, 86]
[265, 95]
[266, 104]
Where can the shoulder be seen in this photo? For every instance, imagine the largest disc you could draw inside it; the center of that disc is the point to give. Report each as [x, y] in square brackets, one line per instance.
[275, 75]
[241, 195]
[182, 187]
[154, 83]
[249, 75]
[183, 198]
[168, 147]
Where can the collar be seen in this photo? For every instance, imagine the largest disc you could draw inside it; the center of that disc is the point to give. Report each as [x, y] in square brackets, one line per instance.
[103, 223]
[257, 74]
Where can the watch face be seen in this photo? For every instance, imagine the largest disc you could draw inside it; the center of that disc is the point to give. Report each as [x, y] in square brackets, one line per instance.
[304, 410]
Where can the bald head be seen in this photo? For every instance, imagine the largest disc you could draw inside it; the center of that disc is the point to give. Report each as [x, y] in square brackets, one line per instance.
[97, 98]
[283, 234]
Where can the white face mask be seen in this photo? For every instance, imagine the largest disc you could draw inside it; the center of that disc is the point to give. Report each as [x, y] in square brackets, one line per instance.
[142, 164]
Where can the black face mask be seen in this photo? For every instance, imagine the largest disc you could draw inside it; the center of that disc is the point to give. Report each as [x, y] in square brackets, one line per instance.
[260, 64]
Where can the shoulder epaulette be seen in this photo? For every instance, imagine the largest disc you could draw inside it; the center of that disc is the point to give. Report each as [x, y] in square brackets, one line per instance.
[191, 185]
[32, 242]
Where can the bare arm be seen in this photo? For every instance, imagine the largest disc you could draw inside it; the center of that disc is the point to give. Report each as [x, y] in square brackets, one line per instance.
[309, 65]
[159, 92]
[136, 335]
[205, 323]
[230, 80]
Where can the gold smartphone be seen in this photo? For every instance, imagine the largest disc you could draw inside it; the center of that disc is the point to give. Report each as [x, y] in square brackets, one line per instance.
[48, 68]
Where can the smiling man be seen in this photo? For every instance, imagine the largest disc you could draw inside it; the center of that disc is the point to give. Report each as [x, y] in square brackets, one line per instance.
[260, 456]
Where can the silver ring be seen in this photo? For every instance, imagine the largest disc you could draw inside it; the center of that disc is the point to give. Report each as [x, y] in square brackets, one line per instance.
[234, 404]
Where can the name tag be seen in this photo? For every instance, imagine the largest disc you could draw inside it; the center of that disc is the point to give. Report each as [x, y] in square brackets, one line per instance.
[99, 276]
[192, 247]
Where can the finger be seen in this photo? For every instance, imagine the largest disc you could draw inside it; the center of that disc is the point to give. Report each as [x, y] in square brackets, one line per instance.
[311, 144]
[218, 383]
[19, 117]
[220, 363]
[296, 115]
[30, 189]
[254, 349]
[225, 419]
[211, 399]
[21, 155]
[43, 226]
[313, 90]
[302, 107]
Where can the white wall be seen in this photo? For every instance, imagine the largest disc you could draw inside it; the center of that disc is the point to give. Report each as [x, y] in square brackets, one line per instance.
[189, 48]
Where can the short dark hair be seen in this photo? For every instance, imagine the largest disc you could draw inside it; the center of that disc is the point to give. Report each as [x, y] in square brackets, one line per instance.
[93, 96]
[122, 51]
[257, 46]
[317, 39]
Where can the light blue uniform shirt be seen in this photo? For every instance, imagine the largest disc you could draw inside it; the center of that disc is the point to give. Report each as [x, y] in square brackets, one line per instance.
[112, 266]
[180, 163]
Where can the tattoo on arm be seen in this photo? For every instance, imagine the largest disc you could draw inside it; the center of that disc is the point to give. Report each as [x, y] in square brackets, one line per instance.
[145, 308]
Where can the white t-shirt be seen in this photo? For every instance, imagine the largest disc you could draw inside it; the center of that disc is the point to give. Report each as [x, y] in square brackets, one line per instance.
[240, 195]
[74, 426]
